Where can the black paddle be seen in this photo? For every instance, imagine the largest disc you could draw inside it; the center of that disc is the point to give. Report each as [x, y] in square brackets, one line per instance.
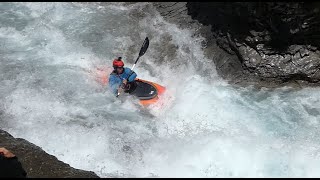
[143, 50]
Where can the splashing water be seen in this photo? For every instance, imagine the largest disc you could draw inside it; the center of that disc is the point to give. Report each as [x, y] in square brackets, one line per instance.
[50, 53]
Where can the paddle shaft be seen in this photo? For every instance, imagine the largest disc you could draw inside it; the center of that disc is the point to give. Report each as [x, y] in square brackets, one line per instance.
[133, 68]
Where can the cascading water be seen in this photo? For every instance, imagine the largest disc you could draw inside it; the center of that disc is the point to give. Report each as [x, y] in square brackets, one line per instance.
[50, 51]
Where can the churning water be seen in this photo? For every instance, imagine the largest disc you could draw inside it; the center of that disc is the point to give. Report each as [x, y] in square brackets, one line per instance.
[49, 55]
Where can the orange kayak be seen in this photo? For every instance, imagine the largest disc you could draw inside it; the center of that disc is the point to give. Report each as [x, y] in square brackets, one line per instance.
[146, 91]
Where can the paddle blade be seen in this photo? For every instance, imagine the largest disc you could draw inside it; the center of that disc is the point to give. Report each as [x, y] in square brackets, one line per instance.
[144, 47]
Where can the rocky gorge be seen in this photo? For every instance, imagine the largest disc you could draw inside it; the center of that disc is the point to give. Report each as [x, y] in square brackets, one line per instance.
[265, 44]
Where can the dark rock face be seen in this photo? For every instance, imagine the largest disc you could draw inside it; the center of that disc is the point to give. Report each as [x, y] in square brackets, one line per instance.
[37, 163]
[177, 13]
[274, 41]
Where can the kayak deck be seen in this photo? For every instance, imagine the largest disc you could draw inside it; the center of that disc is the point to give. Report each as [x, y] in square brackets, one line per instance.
[144, 90]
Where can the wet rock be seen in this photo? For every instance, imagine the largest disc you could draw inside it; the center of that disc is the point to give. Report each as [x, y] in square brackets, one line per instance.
[251, 56]
[262, 42]
[39, 164]
[276, 40]
[215, 48]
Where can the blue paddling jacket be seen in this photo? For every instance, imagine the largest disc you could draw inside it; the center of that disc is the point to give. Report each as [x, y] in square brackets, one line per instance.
[115, 79]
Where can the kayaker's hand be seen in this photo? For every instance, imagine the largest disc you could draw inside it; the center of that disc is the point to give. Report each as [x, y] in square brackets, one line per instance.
[6, 153]
[127, 86]
[120, 89]
[122, 85]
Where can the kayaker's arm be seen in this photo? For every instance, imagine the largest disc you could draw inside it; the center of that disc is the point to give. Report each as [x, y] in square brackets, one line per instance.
[132, 75]
[114, 84]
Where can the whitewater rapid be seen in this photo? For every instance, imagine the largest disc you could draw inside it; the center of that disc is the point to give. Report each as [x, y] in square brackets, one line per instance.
[50, 53]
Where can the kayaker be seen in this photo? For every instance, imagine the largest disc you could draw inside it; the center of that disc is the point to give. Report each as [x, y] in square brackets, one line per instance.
[121, 78]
